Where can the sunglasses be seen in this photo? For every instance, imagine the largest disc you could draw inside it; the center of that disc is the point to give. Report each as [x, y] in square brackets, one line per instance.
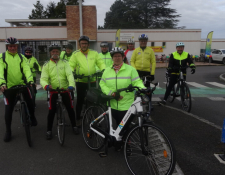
[28, 52]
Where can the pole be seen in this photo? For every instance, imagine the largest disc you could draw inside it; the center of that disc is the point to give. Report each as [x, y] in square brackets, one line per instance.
[81, 21]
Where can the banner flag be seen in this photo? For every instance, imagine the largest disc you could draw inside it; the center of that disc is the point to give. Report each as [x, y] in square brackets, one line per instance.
[118, 38]
[208, 44]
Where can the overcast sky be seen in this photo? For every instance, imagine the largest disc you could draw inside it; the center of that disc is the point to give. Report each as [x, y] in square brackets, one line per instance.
[208, 15]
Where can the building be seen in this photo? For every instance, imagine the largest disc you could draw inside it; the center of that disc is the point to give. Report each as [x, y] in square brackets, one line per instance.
[82, 20]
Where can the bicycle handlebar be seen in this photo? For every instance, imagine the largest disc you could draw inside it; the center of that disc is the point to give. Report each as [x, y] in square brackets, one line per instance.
[97, 74]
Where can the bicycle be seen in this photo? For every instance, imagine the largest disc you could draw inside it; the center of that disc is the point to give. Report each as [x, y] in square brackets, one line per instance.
[144, 141]
[97, 77]
[24, 112]
[181, 90]
[60, 114]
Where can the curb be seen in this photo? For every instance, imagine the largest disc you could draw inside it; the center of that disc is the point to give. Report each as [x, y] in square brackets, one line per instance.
[221, 77]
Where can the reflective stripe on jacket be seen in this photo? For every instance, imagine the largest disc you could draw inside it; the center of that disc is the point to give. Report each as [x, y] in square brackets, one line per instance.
[143, 60]
[176, 60]
[13, 66]
[86, 64]
[31, 62]
[59, 75]
[107, 59]
[111, 81]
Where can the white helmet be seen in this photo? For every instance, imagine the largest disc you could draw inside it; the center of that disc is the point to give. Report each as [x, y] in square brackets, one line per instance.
[179, 44]
[116, 50]
[130, 41]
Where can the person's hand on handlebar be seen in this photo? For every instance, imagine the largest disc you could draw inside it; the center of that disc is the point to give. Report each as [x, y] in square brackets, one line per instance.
[70, 88]
[48, 87]
[3, 88]
[117, 96]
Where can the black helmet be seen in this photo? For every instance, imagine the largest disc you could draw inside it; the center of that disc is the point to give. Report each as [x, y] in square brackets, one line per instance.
[11, 40]
[104, 44]
[69, 46]
[28, 49]
[84, 38]
[54, 46]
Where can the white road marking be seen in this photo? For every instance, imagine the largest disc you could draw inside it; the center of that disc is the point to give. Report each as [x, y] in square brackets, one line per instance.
[156, 99]
[198, 85]
[216, 84]
[216, 98]
[39, 86]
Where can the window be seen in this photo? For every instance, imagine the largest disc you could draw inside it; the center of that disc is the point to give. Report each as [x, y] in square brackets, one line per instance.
[152, 44]
[163, 43]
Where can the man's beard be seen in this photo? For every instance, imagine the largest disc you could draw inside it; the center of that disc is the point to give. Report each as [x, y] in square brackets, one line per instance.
[52, 57]
[28, 56]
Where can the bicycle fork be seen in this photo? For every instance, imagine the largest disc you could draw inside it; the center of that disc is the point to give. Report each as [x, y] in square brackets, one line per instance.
[143, 134]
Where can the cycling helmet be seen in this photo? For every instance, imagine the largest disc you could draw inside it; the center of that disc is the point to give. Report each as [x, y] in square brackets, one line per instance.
[69, 46]
[143, 36]
[11, 40]
[28, 49]
[130, 41]
[54, 46]
[116, 50]
[179, 44]
[84, 38]
[104, 44]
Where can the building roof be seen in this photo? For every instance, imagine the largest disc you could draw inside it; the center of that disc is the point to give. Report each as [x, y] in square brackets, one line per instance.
[20, 22]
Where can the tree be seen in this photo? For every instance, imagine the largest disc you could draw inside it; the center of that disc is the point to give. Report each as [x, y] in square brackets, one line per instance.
[133, 14]
[37, 13]
[52, 11]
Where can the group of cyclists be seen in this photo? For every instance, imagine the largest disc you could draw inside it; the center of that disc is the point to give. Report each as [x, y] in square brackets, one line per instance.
[120, 68]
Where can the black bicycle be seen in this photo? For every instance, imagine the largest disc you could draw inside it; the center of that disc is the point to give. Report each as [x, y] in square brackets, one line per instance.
[23, 109]
[60, 114]
[181, 90]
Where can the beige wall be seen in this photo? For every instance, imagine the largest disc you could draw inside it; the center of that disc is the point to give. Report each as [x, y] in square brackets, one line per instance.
[191, 38]
[216, 44]
[34, 33]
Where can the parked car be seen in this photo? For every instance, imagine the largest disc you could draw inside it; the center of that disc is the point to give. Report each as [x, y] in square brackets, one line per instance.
[218, 55]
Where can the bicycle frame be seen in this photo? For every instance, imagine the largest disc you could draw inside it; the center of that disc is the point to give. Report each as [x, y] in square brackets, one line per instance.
[135, 108]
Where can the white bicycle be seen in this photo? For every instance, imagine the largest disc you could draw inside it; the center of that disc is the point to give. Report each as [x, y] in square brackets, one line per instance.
[147, 149]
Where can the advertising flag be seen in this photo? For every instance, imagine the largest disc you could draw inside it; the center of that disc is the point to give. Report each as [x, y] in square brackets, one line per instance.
[118, 38]
[208, 44]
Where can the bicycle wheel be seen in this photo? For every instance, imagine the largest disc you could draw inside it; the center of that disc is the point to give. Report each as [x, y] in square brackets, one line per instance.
[60, 124]
[92, 139]
[26, 123]
[185, 98]
[155, 156]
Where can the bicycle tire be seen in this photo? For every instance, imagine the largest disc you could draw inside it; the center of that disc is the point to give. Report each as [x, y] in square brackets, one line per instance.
[26, 123]
[186, 98]
[160, 157]
[92, 139]
[60, 125]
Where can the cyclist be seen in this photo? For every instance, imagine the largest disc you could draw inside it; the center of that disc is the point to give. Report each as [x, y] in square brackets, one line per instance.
[130, 49]
[177, 59]
[56, 73]
[84, 61]
[68, 53]
[143, 59]
[105, 55]
[119, 76]
[34, 66]
[13, 67]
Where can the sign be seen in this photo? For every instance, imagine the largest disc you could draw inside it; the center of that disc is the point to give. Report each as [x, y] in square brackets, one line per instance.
[223, 132]
[157, 48]
[126, 36]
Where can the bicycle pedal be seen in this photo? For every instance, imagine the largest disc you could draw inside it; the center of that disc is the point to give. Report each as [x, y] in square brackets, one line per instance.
[102, 154]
